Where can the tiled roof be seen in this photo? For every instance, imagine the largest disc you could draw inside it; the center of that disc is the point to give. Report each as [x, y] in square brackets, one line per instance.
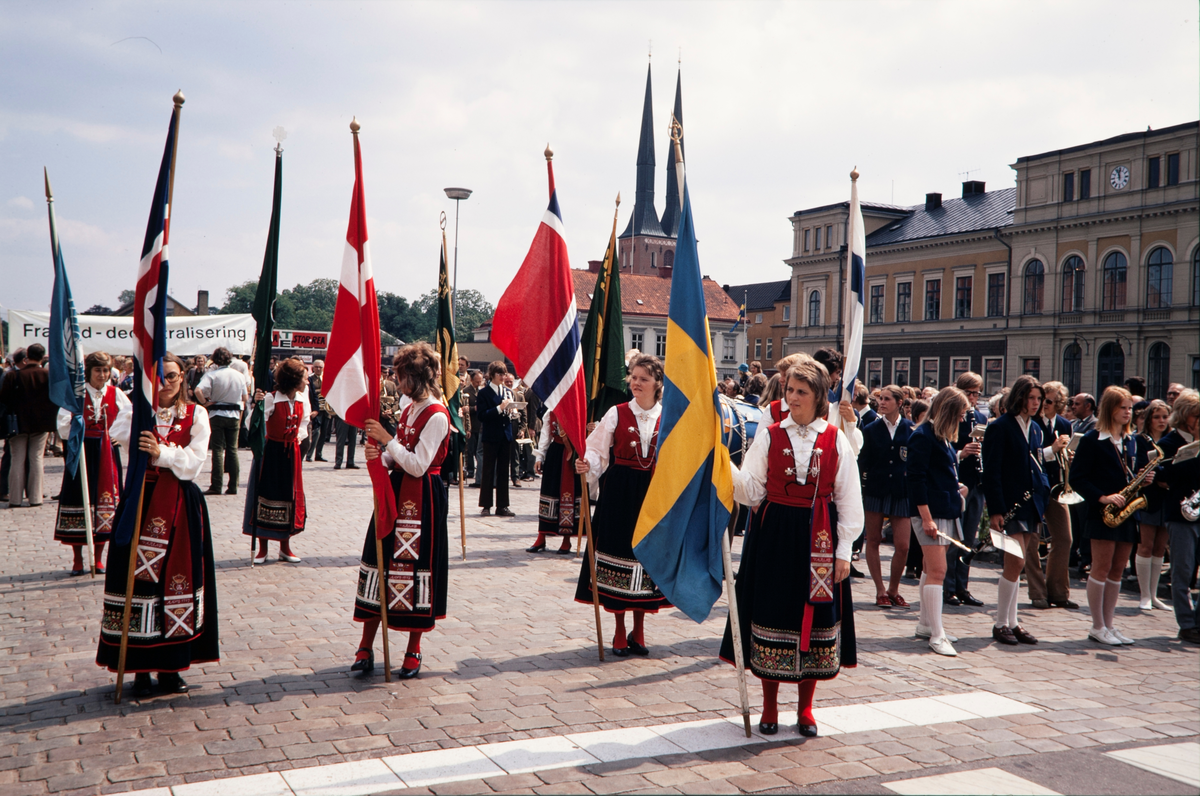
[955, 216]
[655, 294]
[761, 295]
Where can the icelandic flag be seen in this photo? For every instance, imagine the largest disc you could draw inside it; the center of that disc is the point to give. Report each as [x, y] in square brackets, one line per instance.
[686, 509]
[66, 351]
[856, 267]
[149, 334]
[535, 325]
[351, 382]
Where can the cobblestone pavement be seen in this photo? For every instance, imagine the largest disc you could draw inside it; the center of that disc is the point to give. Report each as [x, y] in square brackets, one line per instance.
[516, 658]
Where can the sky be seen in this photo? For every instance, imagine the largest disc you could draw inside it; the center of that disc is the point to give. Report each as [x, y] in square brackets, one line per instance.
[780, 101]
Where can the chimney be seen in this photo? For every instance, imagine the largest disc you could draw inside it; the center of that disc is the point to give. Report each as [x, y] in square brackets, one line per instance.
[594, 266]
[972, 188]
[664, 271]
[932, 201]
[202, 302]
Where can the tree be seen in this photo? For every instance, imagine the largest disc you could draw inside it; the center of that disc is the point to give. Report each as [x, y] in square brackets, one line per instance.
[126, 297]
[97, 309]
[240, 298]
[471, 310]
[398, 318]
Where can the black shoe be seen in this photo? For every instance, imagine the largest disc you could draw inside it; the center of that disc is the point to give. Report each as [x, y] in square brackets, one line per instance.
[537, 548]
[807, 730]
[320, 459]
[564, 551]
[142, 685]
[768, 727]
[951, 599]
[635, 648]
[409, 674]
[854, 573]
[171, 683]
[621, 652]
[1190, 635]
[473, 485]
[517, 484]
[1022, 636]
[485, 512]
[351, 466]
[969, 599]
[1004, 636]
[1068, 604]
[231, 490]
[365, 665]
[213, 490]
[505, 512]
[337, 467]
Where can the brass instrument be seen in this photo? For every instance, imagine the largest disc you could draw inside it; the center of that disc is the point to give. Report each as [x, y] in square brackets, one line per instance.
[1190, 507]
[977, 432]
[1114, 516]
[1062, 491]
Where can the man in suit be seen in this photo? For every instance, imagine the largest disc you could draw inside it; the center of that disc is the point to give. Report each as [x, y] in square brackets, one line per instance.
[470, 404]
[495, 417]
[1084, 408]
[1052, 587]
[320, 420]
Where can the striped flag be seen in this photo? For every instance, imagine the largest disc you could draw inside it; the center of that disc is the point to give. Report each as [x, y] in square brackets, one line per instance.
[856, 267]
[536, 325]
[149, 333]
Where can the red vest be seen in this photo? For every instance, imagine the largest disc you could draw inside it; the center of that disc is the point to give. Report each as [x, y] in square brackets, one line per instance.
[777, 411]
[627, 441]
[95, 425]
[781, 468]
[408, 435]
[284, 426]
[180, 433]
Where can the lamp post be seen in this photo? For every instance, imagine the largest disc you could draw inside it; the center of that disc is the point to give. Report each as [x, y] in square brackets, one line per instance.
[457, 194]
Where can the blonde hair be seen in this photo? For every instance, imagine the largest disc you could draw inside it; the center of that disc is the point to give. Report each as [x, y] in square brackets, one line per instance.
[785, 364]
[813, 374]
[1185, 406]
[653, 368]
[1110, 402]
[945, 412]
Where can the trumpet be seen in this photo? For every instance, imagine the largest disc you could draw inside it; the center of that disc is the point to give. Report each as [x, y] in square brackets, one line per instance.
[977, 432]
[1114, 516]
[1062, 491]
[1190, 507]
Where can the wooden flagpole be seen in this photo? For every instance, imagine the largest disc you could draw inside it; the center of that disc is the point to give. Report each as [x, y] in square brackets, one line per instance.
[587, 524]
[735, 626]
[387, 652]
[462, 506]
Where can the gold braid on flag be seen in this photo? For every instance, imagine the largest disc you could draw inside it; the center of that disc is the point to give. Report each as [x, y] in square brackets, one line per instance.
[447, 346]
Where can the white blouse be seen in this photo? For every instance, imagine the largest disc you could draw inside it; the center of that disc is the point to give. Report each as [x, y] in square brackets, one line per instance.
[270, 399]
[750, 481]
[186, 462]
[853, 435]
[417, 461]
[119, 430]
[600, 441]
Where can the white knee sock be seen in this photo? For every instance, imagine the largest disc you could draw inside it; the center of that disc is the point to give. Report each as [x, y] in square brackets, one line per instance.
[1141, 565]
[923, 613]
[931, 596]
[1112, 590]
[1007, 592]
[1012, 604]
[1095, 593]
[1155, 574]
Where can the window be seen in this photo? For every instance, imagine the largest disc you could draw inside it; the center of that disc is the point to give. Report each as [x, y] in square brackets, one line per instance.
[1072, 368]
[787, 311]
[1159, 371]
[876, 304]
[1069, 187]
[1035, 283]
[1110, 367]
[874, 373]
[728, 348]
[668, 259]
[959, 366]
[1196, 373]
[929, 373]
[636, 340]
[1196, 277]
[1173, 169]
[904, 301]
[806, 239]
[1152, 175]
[652, 265]
[962, 297]
[1072, 285]
[900, 372]
[660, 344]
[770, 347]
[814, 308]
[933, 299]
[995, 297]
[1085, 184]
[817, 239]
[1114, 284]
[758, 317]
[829, 235]
[993, 375]
[1159, 267]
[1032, 366]
[758, 348]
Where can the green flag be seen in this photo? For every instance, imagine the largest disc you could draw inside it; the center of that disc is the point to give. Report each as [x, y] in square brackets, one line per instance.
[448, 352]
[264, 302]
[604, 338]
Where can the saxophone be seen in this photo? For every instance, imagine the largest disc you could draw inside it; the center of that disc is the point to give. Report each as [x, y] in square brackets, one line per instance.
[1114, 516]
[1190, 507]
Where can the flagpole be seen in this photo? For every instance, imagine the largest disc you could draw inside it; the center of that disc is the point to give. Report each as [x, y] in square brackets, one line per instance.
[846, 298]
[178, 100]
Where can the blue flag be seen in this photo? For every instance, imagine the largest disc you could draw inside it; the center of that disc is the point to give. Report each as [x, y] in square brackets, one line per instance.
[66, 354]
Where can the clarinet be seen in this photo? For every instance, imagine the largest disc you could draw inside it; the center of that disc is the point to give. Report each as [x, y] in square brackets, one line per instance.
[985, 539]
[1013, 511]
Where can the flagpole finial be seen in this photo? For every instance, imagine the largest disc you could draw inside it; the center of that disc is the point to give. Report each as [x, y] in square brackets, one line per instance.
[549, 153]
[442, 221]
[618, 198]
[49, 193]
[854, 175]
[179, 99]
[355, 126]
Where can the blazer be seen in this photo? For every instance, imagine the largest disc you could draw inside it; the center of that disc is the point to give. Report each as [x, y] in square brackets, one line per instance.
[494, 426]
[968, 468]
[1050, 430]
[1097, 471]
[932, 474]
[867, 418]
[1182, 479]
[1012, 467]
[882, 458]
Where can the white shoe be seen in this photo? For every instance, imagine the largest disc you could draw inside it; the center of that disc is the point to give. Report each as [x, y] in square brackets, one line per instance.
[923, 631]
[260, 559]
[1119, 636]
[942, 646]
[1159, 604]
[1145, 605]
[291, 559]
[1104, 637]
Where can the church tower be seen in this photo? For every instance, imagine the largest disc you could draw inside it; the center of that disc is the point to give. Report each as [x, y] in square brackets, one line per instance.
[645, 248]
[670, 216]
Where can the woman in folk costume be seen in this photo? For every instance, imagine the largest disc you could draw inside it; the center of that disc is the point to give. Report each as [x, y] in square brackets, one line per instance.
[558, 505]
[276, 498]
[106, 417]
[620, 460]
[415, 549]
[173, 623]
[793, 594]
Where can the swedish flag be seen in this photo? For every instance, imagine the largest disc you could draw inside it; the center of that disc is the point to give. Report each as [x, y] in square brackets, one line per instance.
[678, 535]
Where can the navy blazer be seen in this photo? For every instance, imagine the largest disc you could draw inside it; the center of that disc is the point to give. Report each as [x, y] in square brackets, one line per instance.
[968, 468]
[495, 427]
[932, 474]
[867, 418]
[1050, 431]
[1182, 479]
[1011, 467]
[1097, 471]
[882, 458]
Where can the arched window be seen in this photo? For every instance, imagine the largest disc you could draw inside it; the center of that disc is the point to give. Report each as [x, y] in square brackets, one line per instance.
[1071, 369]
[668, 259]
[1159, 267]
[1196, 277]
[814, 308]
[1035, 279]
[1159, 371]
[1115, 267]
[1110, 367]
[1072, 284]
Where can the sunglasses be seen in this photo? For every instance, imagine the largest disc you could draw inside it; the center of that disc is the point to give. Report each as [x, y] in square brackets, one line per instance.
[171, 376]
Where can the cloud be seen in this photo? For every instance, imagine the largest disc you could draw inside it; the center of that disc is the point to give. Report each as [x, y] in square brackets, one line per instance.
[23, 202]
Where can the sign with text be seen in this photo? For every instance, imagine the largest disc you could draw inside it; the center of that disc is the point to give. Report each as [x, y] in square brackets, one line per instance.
[187, 335]
[292, 338]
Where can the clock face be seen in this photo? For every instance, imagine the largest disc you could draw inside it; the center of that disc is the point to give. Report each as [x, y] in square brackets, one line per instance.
[1119, 177]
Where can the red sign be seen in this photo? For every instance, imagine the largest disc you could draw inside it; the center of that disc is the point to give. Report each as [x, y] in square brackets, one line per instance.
[291, 338]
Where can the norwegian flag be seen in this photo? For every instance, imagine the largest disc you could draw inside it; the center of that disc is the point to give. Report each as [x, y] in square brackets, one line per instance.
[149, 333]
[535, 324]
[351, 382]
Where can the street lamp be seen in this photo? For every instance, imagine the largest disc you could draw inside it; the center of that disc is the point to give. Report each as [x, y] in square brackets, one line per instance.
[457, 194]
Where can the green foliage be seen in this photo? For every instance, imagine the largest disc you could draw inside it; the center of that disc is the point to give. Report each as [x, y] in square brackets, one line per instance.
[126, 297]
[97, 309]
[471, 310]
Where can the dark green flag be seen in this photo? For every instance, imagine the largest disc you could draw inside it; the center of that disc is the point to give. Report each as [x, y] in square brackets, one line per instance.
[448, 352]
[604, 338]
[264, 302]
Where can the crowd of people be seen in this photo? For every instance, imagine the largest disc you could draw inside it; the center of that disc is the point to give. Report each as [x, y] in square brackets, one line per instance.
[1028, 470]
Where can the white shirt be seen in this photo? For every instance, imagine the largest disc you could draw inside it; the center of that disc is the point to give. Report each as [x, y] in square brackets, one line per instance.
[543, 441]
[223, 386]
[417, 461]
[853, 435]
[119, 430]
[600, 441]
[891, 427]
[186, 462]
[750, 481]
[271, 399]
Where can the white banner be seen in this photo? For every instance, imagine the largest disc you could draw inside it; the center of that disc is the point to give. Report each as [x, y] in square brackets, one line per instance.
[187, 335]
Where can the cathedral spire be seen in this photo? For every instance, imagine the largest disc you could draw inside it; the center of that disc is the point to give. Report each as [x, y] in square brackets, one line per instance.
[644, 220]
[670, 216]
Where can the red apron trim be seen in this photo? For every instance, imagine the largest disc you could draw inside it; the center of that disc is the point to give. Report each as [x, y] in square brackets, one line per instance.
[566, 485]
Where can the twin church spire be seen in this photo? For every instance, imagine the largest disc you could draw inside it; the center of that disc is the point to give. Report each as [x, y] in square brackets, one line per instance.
[645, 220]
